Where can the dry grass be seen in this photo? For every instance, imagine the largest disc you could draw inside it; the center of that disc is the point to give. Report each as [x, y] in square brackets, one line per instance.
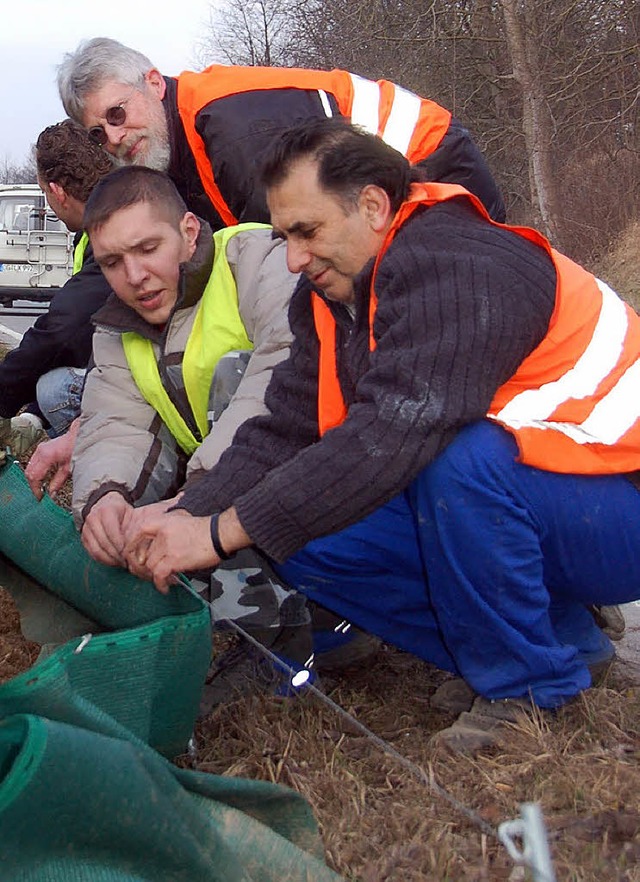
[382, 824]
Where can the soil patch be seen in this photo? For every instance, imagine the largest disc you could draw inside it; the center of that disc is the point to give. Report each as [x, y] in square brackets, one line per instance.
[16, 653]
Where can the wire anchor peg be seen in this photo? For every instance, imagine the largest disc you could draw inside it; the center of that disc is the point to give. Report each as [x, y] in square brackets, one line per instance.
[530, 829]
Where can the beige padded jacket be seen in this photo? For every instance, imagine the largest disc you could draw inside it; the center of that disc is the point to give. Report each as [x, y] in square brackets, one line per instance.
[122, 443]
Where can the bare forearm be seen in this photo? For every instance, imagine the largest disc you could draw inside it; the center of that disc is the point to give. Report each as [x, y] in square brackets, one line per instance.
[232, 534]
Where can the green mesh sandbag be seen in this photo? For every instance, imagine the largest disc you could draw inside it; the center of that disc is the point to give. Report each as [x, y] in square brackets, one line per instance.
[83, 797]
[76, 806]
[41, 539]
[145, 674]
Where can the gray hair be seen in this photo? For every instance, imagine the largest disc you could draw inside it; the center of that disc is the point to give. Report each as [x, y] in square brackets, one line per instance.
[94, 63]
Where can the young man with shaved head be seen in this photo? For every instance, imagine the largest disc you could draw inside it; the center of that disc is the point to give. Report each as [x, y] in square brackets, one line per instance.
[183, 351]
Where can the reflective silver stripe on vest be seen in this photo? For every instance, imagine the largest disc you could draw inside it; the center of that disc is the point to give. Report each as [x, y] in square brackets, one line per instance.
[405, 112]
[366, 101]
[618, 411]
[614, 414]
[324, 100]
[401, 124]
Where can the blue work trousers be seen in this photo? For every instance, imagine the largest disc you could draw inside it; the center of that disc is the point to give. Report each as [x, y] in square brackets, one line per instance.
[484, 567]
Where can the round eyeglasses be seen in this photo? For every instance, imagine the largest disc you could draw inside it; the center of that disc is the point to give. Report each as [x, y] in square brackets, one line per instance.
[115, 116]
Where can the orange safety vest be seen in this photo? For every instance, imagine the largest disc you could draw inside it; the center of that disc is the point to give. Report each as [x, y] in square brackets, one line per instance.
[573, 404]
[412, 125]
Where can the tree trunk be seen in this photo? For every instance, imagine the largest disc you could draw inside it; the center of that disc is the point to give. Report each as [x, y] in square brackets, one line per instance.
[536, 120]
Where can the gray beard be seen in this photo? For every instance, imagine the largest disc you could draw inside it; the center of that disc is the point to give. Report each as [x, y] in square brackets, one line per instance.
[158, 157]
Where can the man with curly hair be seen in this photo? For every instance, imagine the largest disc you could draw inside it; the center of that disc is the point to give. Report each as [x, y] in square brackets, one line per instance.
[46, 371]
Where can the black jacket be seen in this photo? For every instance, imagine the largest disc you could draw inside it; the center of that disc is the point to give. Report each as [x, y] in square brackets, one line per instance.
[238, 129]
[59, 338]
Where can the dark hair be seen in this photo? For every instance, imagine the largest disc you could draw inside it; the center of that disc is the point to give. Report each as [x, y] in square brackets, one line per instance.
[128, 186]
[65, 155]
[348, 159]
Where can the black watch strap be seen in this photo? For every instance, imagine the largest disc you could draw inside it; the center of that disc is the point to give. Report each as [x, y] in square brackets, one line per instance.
[215, 538]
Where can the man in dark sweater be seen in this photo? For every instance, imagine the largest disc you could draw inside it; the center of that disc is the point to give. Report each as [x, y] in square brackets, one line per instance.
[459, 401]
[46, 371]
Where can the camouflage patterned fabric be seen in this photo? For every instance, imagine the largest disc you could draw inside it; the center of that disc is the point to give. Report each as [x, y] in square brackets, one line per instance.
[246, 590]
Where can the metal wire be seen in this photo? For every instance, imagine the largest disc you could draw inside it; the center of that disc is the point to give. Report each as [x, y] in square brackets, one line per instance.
[535, 839]
[415, 770]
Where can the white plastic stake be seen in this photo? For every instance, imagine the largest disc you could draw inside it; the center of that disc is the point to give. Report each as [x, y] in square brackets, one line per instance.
[530, 829]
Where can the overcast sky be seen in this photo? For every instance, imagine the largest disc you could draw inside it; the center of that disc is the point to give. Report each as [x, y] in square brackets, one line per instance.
[35, 34]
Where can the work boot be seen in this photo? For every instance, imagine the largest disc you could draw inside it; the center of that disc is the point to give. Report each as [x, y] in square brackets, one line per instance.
[338, 645]
[456, 696]
[453, 696]
[246, 670]
[482, 726]
[20, 433]
[610, 619]
[332, 655]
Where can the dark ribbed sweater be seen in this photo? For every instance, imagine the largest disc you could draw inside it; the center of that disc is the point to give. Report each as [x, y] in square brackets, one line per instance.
[460, 304]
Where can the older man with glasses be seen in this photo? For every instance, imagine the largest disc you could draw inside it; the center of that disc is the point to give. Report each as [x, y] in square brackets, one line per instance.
[209, 129]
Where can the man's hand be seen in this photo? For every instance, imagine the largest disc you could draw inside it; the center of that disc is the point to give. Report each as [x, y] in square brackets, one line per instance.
[136, 524]
[168, 543]
[103, 533]
[52, 456]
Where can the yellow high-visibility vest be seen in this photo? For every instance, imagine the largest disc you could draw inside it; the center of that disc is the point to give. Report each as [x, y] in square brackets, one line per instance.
[78, 253]
[217, 329]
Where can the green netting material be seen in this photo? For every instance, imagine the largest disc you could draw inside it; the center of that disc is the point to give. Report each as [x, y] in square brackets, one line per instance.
[145, 674]
[75, 805]
[41, 539]
[83, 795]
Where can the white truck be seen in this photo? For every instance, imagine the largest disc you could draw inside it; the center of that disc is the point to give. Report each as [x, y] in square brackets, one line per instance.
[36, 249]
